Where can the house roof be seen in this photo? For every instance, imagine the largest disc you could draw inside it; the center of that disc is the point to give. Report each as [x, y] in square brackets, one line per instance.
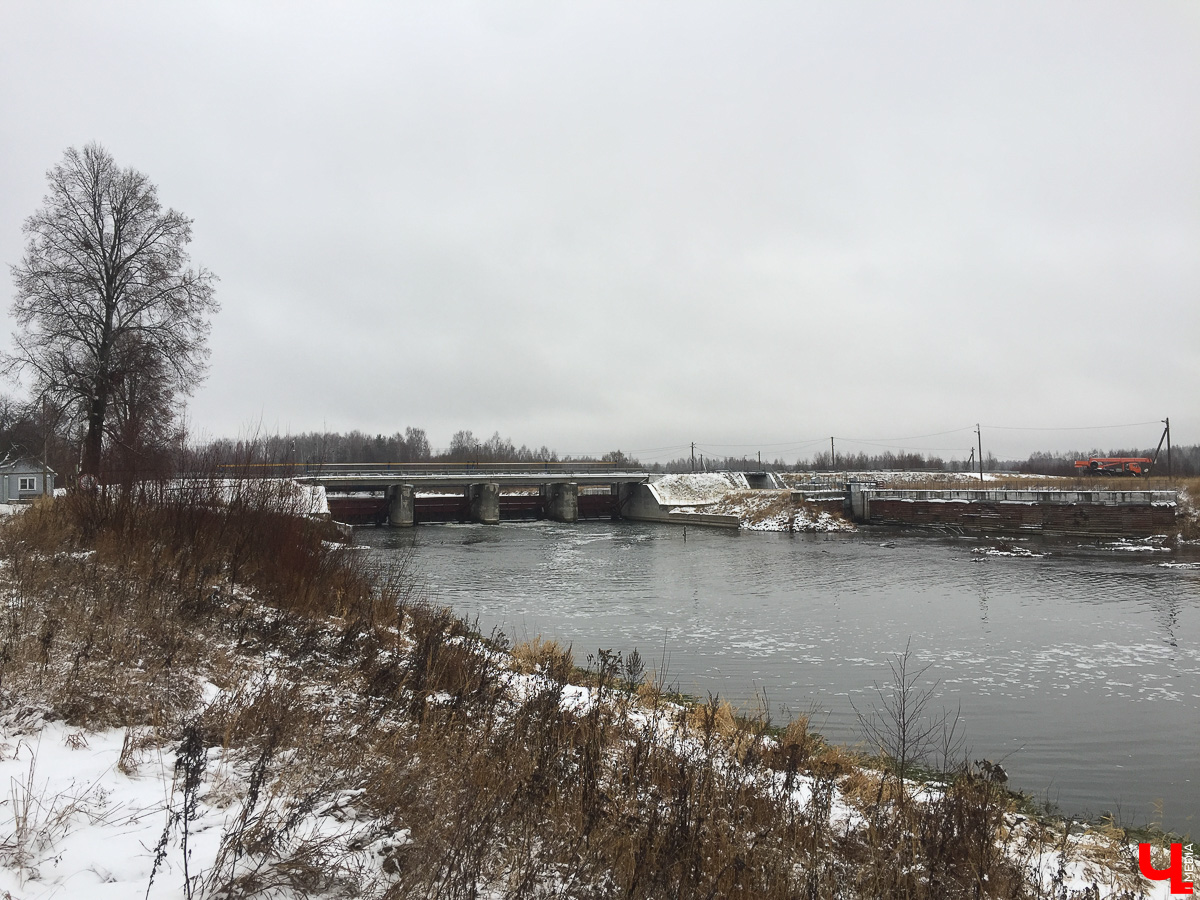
[24, 464]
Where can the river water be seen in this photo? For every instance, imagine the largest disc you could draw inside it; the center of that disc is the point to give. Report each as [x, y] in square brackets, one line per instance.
[1079, 670]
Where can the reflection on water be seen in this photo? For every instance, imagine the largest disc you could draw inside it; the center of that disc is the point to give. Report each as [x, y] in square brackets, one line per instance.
[1081, 669]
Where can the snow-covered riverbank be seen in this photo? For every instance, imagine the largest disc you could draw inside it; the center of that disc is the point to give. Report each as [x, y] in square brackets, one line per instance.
[756, 509]
[123, 812]
[196, 706]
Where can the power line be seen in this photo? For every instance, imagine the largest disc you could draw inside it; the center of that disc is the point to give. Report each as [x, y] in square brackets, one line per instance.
[779, 444]
[881, 443]
[810, 441]
[746, 448]
[911, 437]
[909, 449]
[709, 448]
[1070, 427]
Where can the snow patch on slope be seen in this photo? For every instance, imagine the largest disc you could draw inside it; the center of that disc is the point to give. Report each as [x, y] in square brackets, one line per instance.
[696, 489]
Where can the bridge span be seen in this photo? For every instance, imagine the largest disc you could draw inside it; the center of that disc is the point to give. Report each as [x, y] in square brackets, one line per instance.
[404, 494]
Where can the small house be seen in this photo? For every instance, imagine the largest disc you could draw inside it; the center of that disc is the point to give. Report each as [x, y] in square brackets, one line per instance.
[21, 479]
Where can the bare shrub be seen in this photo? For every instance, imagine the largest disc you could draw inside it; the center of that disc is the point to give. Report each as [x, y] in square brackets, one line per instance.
[543, 656]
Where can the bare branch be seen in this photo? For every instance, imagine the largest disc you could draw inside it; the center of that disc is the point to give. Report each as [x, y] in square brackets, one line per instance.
[110, 312]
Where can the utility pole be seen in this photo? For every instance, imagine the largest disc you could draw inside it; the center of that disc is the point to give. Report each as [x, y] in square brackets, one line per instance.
[832, 455]
[979, 435]
[1167, 422]
[760, 460]
[46, 447]
[693, 456]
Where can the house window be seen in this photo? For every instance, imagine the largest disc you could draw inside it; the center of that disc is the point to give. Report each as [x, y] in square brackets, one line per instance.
[27, 484]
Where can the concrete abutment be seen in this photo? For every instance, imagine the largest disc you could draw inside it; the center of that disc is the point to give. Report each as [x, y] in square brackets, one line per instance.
[484, 502]
[400, 505]
[561, 501]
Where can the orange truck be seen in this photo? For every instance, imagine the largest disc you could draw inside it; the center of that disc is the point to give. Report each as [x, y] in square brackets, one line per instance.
[1114, 465]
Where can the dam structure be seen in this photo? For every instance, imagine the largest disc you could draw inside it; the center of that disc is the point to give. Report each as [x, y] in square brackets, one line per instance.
[407, 494]
[403, 495]
[1049, 511]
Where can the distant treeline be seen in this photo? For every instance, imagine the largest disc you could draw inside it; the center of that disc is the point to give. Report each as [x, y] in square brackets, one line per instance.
[1185, 462]
[859, 462]
[412, 446]
[26, 431]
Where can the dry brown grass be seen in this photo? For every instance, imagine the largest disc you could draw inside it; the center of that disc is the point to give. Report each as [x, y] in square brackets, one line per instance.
[543, 656]
[344, 696]
[762, 503]
[715, 718]
[758, 506]
[1188, 515]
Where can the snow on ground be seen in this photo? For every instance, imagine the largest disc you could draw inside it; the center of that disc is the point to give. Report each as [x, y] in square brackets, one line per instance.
[899, 478]
[308, 499]
[774, 511]
[73, 824]
[729, 493]
[303, 499]
[97, 815]
[1085, 860]
[311, 498]
[696, 488]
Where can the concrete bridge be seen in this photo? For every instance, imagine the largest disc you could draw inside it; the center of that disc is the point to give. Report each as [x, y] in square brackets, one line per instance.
[403, 493]
[406, 494]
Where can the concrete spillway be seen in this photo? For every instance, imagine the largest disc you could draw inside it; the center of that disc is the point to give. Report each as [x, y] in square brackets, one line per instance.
[405, 499]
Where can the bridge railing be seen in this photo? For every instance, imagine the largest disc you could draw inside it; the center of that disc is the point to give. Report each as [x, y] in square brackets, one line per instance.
[292, 470]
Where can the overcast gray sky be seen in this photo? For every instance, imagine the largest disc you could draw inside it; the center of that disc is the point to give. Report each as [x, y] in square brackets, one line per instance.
[635, 225]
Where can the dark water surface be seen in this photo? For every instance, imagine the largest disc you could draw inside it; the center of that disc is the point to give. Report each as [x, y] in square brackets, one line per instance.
[1080, 670]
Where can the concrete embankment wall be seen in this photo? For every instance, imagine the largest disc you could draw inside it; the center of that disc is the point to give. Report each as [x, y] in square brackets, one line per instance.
[641, 503]
[676, 499]
[1053, 512]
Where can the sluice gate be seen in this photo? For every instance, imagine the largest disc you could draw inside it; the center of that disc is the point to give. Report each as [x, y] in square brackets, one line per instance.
[475, 494]
[442, 508]
[411, 494]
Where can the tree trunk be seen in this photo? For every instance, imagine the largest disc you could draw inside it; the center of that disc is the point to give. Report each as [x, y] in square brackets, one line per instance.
[94, 439]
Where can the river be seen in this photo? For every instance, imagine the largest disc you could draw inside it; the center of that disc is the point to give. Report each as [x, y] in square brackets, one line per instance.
[1078, 670]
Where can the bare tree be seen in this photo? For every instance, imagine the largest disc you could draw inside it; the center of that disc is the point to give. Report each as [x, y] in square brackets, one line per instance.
[416, 444]
[142, 427]
[902, 726]
[105, 298]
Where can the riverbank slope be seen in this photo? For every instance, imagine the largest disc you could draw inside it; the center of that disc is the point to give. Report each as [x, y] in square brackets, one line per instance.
[204, 695]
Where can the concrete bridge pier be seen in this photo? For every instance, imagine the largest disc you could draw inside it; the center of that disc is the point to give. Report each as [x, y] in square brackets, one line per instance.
[400, 505]
[561, 501]
[484, 500]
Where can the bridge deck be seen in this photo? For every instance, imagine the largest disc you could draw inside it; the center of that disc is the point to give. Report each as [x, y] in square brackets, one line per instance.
[375, 481]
